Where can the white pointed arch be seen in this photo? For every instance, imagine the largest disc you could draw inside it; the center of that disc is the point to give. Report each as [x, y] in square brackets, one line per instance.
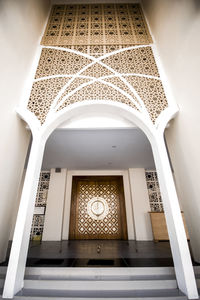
[92, 61]
[182, 261]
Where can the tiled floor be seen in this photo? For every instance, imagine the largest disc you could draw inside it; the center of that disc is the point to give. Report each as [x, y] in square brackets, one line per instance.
[102, 253]
[99, 253]
[99, 249]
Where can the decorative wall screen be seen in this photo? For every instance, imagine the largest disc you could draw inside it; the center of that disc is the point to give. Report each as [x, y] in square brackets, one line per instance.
[97, 52]
[98, 208]
[96, 24]
[41, 201]
[154, 191]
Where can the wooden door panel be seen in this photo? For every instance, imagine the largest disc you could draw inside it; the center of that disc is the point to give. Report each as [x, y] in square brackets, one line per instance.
[98, 208]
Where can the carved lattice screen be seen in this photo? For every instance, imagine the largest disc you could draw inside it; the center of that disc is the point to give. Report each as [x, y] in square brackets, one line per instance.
[41, 201]
[98, 209]
[154, 191]
[96, 24]
[97, 52]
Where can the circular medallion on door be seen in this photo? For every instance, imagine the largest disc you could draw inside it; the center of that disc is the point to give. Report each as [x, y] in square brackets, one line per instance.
[97, 208]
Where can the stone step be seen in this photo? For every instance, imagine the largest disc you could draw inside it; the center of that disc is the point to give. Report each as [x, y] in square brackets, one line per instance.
[71, 272]
[103, 285]
[167, 297]
[44, 283]
[99, 294]
[99, 273]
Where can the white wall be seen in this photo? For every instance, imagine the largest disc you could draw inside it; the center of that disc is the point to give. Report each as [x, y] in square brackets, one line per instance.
[141, 206]
[175, 25]
[96, 119]
[57, 215]
[16, 204]
[55, 204]
[21, 24]
[127, 195]
[136, 200]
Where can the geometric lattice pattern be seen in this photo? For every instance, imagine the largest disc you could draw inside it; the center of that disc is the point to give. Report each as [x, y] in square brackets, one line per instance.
[41, 201]
[96, 24]
[109, 225]
[42, 95]
[139, 60]
[75, 84]
[151, 92]
[67, 78]
[96, 59]
[154, 191]
[43, 187]
[96, 71]
[96, 50]
[54, 62]
[37, 226]
[97, 91]
[116, 81]
[58, 62]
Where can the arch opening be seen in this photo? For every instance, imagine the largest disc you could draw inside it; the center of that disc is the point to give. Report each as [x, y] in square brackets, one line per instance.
[100, 135]
[175, 224]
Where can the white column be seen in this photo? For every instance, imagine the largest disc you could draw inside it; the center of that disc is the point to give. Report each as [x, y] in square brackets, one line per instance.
[16, 267]
[178, 241]
[55, 205]
[141, 206]
[128, 207]
[67, 206]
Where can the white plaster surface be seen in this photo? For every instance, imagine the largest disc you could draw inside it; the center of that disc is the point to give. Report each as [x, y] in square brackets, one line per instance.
[91, 1]
[16, 205]
[21, 24]
[19, 249]
[178, 242]
[176, 230]
[98, 149]
[95, 119]
[54, 209]
[175, 26]
[141, 206]
[181, 256]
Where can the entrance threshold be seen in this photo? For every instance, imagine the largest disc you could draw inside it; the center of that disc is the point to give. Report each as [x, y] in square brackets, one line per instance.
[101, 263]
[98, 254]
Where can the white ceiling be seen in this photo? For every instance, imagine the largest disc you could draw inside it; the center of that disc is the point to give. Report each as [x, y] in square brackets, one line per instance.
[99, 149]
[97, 120]
[92, 1]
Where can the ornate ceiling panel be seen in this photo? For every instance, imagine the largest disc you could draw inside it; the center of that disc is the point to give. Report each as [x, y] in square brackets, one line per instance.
[97, 70]
[96, 24]
[129, 76]
[70, 88]
[140, 61]
[122, 85]
[42, 95]
[97, 61]
[151, 92]
[58, 62]
[97, 91]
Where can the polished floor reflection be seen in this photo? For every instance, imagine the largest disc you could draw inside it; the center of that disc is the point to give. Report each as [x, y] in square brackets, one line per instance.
[99, 253]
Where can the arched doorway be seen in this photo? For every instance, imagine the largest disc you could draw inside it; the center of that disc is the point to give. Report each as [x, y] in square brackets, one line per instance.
[180, 251]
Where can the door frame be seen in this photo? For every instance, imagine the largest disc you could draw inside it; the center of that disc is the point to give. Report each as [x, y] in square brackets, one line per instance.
[127, 197]
[74, 215]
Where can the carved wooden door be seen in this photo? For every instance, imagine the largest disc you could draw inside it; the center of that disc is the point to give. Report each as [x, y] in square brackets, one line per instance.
[98, 208]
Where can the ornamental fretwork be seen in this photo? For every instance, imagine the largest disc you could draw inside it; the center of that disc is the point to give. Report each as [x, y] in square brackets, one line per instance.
[97, 52]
